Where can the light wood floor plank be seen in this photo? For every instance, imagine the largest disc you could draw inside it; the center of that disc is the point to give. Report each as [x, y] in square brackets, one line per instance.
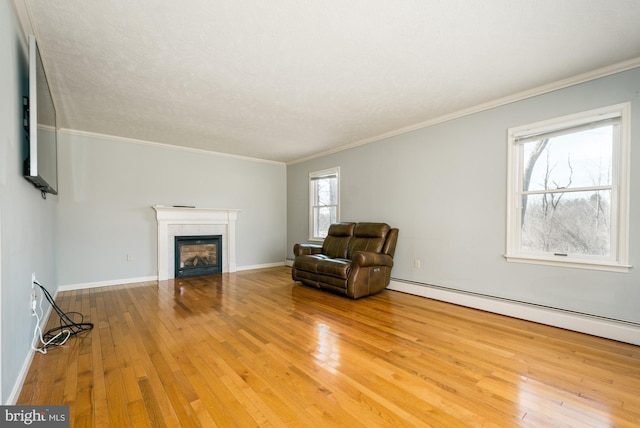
[254, 349]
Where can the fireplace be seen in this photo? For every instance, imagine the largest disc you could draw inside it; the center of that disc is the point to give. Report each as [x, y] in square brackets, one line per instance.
[180, 221]
[198, 255]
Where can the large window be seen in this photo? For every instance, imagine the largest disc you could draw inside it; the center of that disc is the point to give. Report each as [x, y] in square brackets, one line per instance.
[568, 191]
[324, 198]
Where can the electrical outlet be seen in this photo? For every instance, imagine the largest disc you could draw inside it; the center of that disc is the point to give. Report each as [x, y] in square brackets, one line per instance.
[33, 280]
[417, 263]
[129, 257]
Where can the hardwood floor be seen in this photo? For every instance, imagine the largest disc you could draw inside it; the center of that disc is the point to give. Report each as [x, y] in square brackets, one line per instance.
[254, 349]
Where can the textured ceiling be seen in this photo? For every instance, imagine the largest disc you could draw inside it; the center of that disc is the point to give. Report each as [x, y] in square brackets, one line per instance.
[284, 80]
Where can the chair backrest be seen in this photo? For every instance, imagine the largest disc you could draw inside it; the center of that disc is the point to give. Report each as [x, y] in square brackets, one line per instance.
[369, 237]
[337, 241]
[390, 244]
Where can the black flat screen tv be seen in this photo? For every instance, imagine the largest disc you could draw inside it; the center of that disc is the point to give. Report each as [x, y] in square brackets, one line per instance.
[41, 162]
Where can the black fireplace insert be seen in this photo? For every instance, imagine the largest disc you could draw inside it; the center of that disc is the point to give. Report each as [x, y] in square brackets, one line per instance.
[198, 255]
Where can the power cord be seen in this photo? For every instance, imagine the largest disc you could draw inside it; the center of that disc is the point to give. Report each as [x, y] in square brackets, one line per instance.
[57, 340]
[56, 336]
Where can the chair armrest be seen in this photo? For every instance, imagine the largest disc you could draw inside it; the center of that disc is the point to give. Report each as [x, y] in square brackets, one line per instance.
[366, 258]
[301, 249]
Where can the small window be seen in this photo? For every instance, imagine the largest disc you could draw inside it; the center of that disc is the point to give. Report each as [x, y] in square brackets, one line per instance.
[568, 191]
[324, 198]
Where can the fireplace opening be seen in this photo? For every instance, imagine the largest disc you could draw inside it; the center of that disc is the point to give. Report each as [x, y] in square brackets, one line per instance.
[198, 255]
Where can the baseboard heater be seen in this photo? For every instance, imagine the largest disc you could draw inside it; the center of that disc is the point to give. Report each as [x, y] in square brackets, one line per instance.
[610, 328]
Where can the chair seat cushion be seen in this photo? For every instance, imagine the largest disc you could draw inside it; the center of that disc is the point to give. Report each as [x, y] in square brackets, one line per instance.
[309, 262]
[338, 268]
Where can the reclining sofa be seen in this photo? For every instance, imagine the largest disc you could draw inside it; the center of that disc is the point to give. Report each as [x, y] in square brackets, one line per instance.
[354, 260]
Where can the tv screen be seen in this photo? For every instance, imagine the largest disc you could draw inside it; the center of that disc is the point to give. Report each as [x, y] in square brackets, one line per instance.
[41, 164]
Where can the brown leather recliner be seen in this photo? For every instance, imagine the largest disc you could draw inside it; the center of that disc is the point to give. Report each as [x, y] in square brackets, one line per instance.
[355, 259]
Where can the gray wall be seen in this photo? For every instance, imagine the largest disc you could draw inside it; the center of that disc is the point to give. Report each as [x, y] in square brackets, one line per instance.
[27, 222]
[107, 188]
[103, 212]
[444, 186]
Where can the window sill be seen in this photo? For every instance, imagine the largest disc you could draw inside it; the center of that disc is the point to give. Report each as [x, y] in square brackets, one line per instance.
[569, 263]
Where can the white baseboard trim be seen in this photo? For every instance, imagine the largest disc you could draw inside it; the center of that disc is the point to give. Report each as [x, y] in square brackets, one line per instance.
[82, 286]
[24, 370]
[262, 266]
[593, 325]
[12, 399]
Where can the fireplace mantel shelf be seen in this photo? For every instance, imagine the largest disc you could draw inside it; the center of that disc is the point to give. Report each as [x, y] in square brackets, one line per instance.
[188, 212]
[169, 216]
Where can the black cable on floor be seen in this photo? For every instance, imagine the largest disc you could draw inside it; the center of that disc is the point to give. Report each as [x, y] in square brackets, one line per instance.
[66, 323]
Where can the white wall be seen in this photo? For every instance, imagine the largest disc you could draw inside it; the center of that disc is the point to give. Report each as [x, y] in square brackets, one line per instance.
[444, 187]
[27, 222]
[108, 185]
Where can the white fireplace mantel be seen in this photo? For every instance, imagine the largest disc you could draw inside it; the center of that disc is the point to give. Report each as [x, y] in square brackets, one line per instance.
[173, 216]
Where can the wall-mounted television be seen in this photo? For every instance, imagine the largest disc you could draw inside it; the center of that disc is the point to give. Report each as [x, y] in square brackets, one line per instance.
[41, 162]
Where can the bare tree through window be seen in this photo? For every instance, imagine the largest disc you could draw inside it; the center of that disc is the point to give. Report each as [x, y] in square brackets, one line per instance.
[324, 199]
[566, 193]
[568, 190]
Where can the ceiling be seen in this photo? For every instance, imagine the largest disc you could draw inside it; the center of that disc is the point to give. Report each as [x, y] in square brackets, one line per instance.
[287, 80]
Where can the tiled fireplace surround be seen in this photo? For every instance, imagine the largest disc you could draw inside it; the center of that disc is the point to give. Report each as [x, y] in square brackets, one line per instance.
[178, 221]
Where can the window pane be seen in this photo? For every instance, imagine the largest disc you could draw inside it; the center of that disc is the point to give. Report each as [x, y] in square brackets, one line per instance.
[324, 201]
[571, 223]
[579, 159]
[323, 218]
[326, 191]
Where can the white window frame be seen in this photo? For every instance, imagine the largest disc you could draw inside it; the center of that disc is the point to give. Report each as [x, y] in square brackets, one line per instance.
[313, 176]
[619, 257]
